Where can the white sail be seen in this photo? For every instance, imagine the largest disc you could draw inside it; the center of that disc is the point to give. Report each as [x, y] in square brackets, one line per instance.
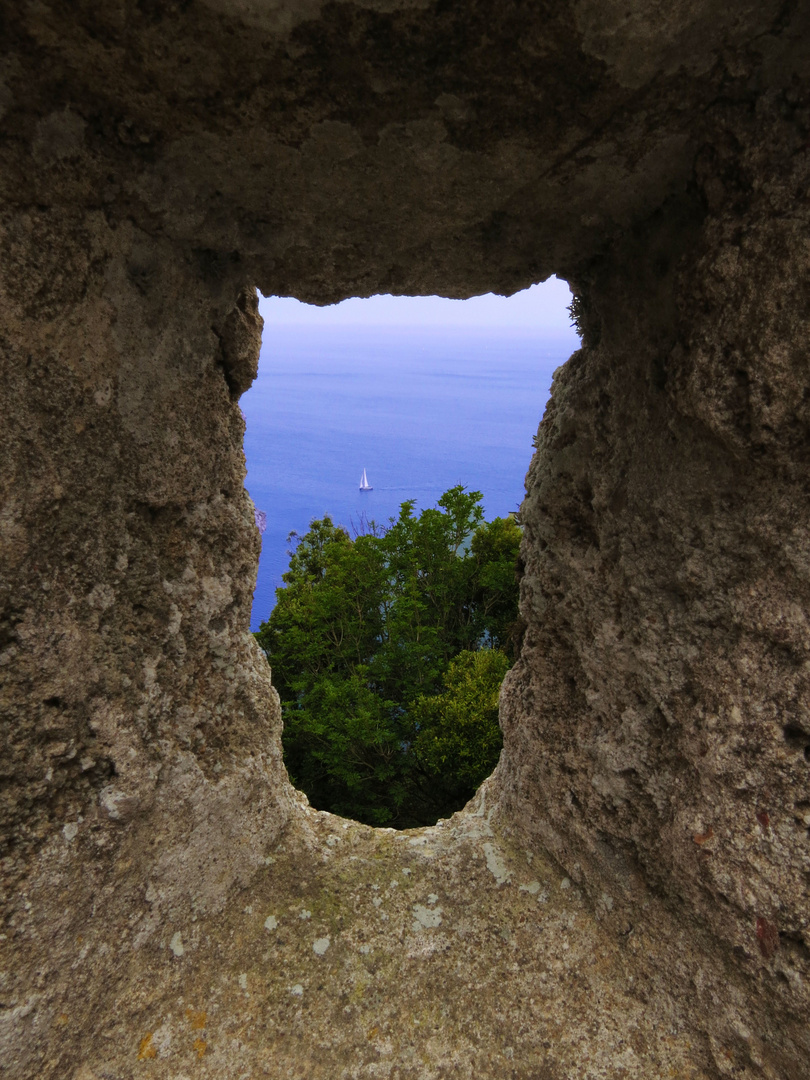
[364, 484]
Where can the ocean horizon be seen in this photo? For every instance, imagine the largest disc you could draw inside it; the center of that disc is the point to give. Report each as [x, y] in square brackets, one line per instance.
[420, 408]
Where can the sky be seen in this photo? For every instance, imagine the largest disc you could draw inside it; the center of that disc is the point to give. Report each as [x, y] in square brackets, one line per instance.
[542, 308]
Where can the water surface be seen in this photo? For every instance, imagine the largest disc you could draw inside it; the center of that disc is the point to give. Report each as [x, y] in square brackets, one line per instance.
[420, 409]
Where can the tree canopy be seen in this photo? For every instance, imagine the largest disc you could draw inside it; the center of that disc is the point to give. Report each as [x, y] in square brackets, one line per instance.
[388, 650]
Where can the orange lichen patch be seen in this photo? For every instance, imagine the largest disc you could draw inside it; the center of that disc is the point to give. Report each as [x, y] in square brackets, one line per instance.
[62, 1019]
[199, 1046]
[146, 1049]
[703, 837]
[196, 1019]
[372, 1033]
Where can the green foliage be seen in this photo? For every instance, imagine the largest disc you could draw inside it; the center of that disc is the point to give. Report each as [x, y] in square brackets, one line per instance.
[387, 652]
[458, 740]
[576, 309]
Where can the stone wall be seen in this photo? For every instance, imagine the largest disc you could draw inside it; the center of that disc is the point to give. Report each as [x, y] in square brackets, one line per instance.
[627, 895]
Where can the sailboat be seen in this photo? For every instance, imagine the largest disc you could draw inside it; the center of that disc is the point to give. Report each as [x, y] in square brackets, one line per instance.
[364, 484]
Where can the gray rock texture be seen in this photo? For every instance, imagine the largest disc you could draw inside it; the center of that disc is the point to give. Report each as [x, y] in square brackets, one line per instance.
[628, 894]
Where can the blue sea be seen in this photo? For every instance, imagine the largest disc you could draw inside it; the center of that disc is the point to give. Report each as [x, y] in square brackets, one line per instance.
[420, 409]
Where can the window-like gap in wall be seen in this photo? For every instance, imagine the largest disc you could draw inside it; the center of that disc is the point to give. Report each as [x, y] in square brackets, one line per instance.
[423, 397]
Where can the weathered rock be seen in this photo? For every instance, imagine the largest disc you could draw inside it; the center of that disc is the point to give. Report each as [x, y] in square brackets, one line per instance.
[628, 894]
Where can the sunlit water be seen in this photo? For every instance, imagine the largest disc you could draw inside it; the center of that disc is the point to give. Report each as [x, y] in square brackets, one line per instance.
[420, 410]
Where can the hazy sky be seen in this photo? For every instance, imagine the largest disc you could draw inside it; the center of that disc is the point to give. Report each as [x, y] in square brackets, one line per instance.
[542, 307]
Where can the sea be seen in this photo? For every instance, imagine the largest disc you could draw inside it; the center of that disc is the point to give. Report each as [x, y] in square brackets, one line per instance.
[421, 409]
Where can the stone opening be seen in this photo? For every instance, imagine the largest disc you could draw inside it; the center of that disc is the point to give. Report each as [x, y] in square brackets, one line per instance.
[628, 890]
[432, 394]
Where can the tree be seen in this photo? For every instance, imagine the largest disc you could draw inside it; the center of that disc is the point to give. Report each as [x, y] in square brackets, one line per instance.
[458, 739]
[495, 546]
[363, 638]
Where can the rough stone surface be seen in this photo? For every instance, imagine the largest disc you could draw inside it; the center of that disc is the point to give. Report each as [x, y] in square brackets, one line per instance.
[627, 895]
